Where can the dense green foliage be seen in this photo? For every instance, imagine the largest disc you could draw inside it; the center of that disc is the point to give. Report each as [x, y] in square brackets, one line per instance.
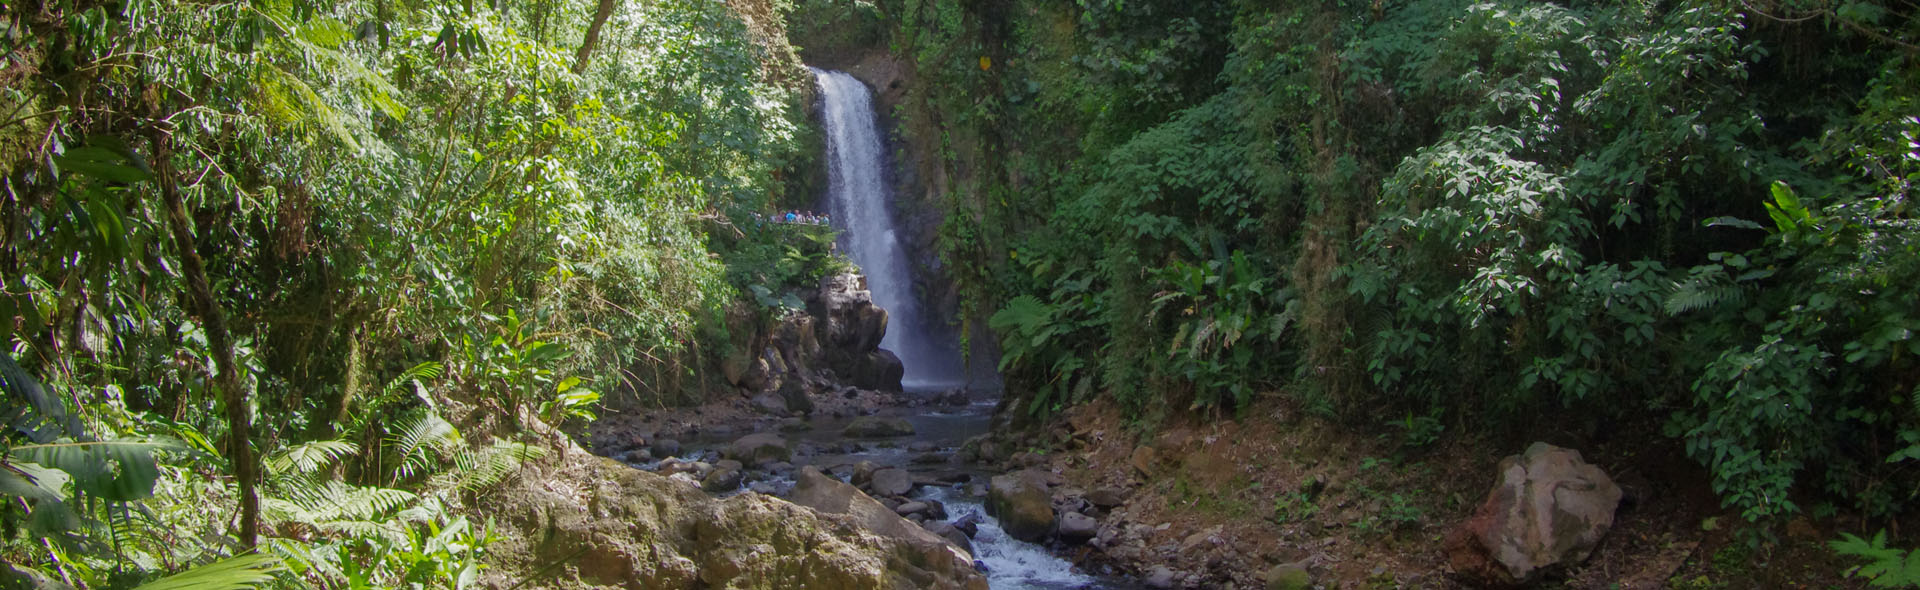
[370, 242]
[1690, 217]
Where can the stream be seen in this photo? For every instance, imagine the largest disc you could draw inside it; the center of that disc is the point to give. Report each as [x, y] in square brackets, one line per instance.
[1010, 564]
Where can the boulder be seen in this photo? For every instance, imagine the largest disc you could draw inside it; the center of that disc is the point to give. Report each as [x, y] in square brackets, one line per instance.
[725, 477]
[666, 447]
[828, 495]
[951, 533]
[1145, 462]
[910, 508]
[850, 333]
[793, 394]
[770, 403]
[1159, 576]
[759, 449]
[863, 473]
[1107, 497]
[875, 427]
[1077, 527]
[618, 527]
[878, 370]
[1548, 511]
[891, 482]
[1289, 576]
[1024, 509]
[969, 524]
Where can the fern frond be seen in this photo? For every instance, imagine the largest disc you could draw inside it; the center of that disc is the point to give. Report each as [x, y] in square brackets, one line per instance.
[290, 103]
[368, 503]
[480, 469]
[426, 371]
[362, 529]
[1702, 291]
[421, 442]
[309, 457]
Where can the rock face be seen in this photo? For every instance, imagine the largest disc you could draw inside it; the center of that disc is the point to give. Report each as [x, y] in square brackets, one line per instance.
[875, 426]
[851, 332]
[1024, 509]
[1549, 509]
[620, 527]
[840, 332]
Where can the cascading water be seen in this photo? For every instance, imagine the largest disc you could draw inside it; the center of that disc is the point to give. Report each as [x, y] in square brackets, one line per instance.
[858, 197]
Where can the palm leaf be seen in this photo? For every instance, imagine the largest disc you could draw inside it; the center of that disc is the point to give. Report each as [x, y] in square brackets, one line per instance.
[30, 410]
[116, 471]
[234, 573]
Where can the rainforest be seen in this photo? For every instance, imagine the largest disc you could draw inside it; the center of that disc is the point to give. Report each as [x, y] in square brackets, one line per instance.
[1090, 294]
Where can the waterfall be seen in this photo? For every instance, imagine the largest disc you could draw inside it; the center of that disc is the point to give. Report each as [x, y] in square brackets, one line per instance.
[858, 196]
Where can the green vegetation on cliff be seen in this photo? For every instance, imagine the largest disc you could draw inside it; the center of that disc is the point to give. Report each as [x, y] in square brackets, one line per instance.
[1691, 217]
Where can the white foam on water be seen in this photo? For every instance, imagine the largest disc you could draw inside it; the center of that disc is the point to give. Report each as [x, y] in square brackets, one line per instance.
[1011, 564]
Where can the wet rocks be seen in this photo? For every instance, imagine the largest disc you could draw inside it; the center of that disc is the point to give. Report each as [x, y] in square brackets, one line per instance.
[877, 427]
[1549, 510]
[759, 449]
[666, 447]
[826, 494]
[1023, 507]
[891, 482]
[951, 533]
[1077, 528]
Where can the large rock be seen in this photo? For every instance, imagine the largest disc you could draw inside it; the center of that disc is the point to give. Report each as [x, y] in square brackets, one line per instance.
[851, 332]
[794, 394]
[1289, 576]
[759, 449]
[619, 527]
[951, 533]
[875, 426]
[1077, 527]
[828, 495]
[891, 482]
[725, 477]
[1024, 509]
[1549, 510]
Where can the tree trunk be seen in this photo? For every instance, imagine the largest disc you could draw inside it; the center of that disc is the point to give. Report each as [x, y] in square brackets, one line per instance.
[600, 16]
[214, 320]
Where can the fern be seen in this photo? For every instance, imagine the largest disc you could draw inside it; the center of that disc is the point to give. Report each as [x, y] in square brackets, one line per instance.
[310, 456]
[421, 443]
[1706, 288]
[479, 469]
[415, 376]
[337, 508]
[1886, 567]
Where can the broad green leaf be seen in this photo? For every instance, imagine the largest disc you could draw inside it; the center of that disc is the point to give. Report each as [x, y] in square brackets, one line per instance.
[116, 471]
[234, 573]
[101, 163]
